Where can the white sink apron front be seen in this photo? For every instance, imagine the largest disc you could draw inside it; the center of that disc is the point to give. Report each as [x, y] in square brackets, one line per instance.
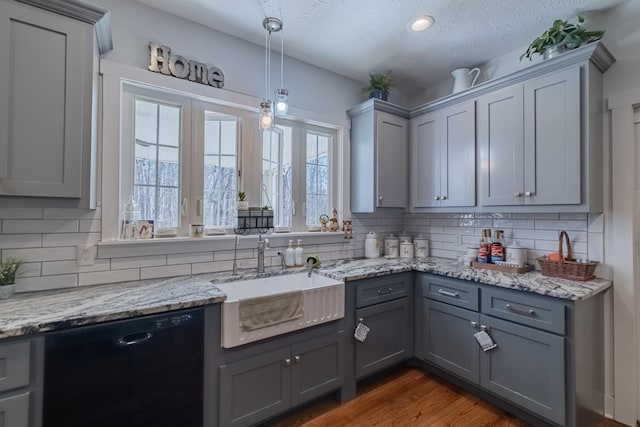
[322, 301]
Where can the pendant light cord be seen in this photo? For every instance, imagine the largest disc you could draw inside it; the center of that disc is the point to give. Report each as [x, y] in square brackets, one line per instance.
[282, 62]
[266, 67]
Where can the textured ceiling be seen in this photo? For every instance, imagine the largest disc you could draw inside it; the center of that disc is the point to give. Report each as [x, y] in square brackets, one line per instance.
[355, 37]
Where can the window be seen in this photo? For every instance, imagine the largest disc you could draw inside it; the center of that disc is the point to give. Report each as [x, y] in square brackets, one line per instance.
[297, 177]
[181, 159]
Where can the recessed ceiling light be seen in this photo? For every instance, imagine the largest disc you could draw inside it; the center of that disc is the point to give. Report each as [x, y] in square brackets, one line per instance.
[421, 23]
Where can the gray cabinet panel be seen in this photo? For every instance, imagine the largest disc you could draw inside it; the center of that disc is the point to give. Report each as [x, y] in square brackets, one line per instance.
[426, 167]
[552, 108]
[392, 157]
[42, 112]
[254, 389]
[362, 164]
[526, 368]
[452, 291]
[14, 411]
[443, 150]
[14, 365]
[375, 291]
[447, 339]
[390, 339]
[543, 313]
[318, 368]
[501, 146]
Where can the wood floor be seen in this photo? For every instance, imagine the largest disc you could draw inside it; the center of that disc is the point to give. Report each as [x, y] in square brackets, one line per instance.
[406, 397]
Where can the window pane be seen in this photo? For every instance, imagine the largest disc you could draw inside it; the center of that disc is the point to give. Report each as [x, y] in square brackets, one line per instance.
[146, 125]
[157, 167]
[169, 167]
[169, 127]
[317, 178]
[220, 170]
[276, 174]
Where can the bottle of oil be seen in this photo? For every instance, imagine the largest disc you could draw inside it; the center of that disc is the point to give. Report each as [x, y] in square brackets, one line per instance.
[484, 251]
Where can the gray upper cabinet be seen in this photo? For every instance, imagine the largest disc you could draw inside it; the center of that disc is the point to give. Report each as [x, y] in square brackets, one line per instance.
[540, 136]
[47, 119]
[379, 156]
[529, 138]
[443, 157]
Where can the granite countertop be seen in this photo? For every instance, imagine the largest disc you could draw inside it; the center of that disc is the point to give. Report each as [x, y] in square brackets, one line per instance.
[51, 310]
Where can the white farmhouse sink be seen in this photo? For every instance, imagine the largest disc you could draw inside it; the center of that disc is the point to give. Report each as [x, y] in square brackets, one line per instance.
[322, 301]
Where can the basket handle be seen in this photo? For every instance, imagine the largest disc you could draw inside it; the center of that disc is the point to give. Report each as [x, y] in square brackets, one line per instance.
[569, 257]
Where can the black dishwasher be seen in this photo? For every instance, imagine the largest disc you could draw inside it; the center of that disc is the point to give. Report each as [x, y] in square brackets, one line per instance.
[146, 371]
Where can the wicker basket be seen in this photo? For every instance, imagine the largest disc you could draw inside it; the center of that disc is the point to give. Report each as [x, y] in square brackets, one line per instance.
[567, 267]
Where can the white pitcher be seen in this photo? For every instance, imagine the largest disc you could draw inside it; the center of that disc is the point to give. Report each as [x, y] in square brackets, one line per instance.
[463, 78]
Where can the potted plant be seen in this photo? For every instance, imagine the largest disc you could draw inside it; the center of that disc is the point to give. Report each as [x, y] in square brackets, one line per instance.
[561, 36]
[379, 85]
[242, 204]
[8, 269]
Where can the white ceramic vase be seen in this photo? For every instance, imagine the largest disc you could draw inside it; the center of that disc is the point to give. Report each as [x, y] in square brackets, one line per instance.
[7, 291]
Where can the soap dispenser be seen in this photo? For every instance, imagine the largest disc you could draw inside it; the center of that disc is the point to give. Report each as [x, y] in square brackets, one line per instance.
[289, 255]
[299, 253]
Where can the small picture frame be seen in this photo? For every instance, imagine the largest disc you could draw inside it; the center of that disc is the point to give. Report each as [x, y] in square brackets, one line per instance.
[145, 229]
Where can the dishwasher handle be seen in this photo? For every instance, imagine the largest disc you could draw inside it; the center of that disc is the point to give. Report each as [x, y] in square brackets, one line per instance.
[133, 339]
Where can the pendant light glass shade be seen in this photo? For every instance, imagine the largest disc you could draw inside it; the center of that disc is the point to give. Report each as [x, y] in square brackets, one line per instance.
[266, 116]
[282, 101]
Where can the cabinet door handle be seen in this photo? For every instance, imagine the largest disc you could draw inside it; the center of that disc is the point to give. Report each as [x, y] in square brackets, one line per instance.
[448, 294]
[483, 328]
[443, 197]
[518, 194]
[519, 310]
[385, 291]
[474, 324]
[287, 362]
[529, 193]
[296, 359]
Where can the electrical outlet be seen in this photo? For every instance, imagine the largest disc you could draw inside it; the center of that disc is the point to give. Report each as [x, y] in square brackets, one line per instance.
[86, 254]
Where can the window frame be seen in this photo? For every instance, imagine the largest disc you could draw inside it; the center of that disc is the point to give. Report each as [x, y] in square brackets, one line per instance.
[111, 199]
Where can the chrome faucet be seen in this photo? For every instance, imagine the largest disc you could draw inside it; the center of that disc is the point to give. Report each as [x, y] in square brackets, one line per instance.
[310, 264]
[262, 245]
[282, 263]
[235, 256]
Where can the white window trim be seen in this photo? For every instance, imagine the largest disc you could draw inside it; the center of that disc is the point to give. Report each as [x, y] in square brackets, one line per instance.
[114, 75]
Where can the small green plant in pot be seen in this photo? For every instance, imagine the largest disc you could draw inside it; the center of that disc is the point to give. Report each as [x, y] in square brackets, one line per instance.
[8, 270]
[242, 204]
[379, 85]
[561, 36]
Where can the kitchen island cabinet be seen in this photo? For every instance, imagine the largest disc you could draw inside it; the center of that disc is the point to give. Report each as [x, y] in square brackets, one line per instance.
[48, 92]
[379, 156]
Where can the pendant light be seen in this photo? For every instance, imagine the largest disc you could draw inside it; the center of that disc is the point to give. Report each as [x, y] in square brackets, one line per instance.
[272, 25]
[282, 94]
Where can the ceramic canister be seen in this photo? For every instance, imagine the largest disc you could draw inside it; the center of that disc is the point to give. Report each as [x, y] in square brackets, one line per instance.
[516, 254]
[371, 249]
[421, 247]
[391, 246]
[406, 249]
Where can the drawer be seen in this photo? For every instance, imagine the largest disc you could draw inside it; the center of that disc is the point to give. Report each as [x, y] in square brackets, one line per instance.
[14, 365]
[14, 411]
[381, 289]
[528, 309]
[456, 292]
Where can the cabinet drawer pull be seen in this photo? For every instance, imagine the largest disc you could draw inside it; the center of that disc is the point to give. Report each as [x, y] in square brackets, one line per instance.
[287, 362]
[529, 193]
[474, 324]
[436, 198]
[385, 291]
[518, 194]
[448, 294]
[296, 359]
[518, 310]
[443, 197]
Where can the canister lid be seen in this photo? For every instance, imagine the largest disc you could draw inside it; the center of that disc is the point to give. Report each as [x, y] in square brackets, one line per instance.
[372, 235]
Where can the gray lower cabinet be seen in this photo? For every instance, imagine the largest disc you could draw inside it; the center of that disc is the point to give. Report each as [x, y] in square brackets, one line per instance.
[255, 389]
[535, 366]
[21, 363]
[385, 306]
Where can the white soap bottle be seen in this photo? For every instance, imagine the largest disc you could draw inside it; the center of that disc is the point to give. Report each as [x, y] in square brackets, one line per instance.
[299, 253]
[290, 255]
